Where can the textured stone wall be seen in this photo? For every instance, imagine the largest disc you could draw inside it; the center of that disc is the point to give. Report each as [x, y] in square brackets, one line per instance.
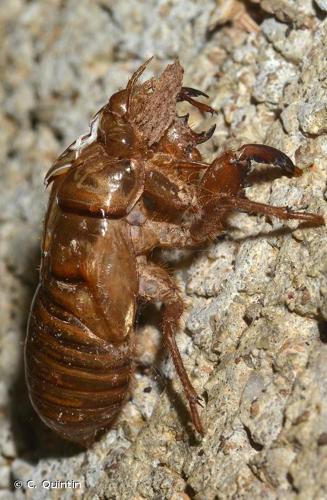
[254, 333]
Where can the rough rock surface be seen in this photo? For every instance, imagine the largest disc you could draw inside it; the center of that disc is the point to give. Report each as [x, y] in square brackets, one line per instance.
[254, 333]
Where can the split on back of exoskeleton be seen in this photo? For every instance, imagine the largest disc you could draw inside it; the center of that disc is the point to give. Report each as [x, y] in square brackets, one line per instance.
[137, 127]
[137, 181]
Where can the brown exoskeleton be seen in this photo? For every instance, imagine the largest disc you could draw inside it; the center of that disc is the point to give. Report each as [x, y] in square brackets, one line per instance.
[136, 182]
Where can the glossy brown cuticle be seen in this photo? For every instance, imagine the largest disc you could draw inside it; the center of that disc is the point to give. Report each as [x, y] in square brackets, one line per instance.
[136, 182]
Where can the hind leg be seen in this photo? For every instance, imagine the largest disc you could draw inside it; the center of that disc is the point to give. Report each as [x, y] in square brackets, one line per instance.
[156, 285]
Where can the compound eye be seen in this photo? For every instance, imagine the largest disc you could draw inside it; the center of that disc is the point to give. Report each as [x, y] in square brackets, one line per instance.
[116, 135]
[118, 103]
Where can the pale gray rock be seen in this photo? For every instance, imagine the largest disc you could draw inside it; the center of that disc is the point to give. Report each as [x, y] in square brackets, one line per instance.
[292, 45]
[322, 4]
[300, 12]
[274, 74]
[253, 337]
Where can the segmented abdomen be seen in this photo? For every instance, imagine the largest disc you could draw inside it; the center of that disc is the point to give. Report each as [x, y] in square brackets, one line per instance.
[77, 380]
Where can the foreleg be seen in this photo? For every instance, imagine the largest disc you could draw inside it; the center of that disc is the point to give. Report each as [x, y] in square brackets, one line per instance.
[187, 94]
[219, 194]
[266, 154]
[227, 174]
[221, 186]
